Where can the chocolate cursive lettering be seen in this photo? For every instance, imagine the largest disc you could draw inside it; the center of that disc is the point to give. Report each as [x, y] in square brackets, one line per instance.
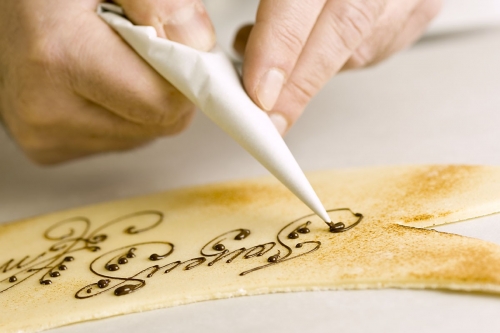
[124, 270]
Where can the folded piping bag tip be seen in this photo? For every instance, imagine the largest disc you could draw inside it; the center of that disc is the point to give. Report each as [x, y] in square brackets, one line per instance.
[211, 82]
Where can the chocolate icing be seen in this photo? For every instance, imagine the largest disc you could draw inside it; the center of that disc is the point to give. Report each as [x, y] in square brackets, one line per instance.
[274, 258]
[336, 227]
[125, 290]
[112, 267]
[103, 283]
[219, 247]
[73, 236]
[122, 261]
[303, 229]
[69, 236]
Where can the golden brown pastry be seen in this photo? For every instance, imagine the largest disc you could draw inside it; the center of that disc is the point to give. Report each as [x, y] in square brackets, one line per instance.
[246, 238]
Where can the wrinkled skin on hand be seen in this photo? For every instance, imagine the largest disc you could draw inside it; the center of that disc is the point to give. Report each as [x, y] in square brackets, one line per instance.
[295, 47]
[70, 87]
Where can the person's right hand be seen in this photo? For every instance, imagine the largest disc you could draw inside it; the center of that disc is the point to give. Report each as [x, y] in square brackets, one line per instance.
[296, 47]
[70, 87]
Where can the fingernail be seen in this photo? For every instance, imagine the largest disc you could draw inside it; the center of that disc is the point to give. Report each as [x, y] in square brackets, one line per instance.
[269, 88]
[279, 122]
[191, 26]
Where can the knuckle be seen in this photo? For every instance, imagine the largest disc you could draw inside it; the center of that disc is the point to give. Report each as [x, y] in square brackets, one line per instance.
[141, 115]
[362, 57]
[289, 37]
[32, 131]
[180, 107]
[162, 111]
[45, 53]
[355, 61]
[32, 115]
[181, 123]
[325, 66]
[33, 144]
[302, 91]
[354, 20]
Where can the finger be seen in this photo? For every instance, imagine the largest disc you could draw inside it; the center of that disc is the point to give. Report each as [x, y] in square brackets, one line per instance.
[79, 128]
[72, 149]
[404, 27]
[281, 30]
[413, 29]
[108, 72]
[339, 30]
[84, 118]
[183, 21]
[241, 39]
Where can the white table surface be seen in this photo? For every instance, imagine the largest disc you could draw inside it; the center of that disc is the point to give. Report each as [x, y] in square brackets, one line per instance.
[436, 103]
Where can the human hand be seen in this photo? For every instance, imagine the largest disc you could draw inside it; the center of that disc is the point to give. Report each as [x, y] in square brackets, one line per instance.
[70, 87]
[295, 47]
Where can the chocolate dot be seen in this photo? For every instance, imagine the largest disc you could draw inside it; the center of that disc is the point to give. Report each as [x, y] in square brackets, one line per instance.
[155, 257]
[112, 267]
[337, 227]
[103, 283]
[293, 235]
[45, 282]
[99, 238]
[122, 261]
[12, 279]
[69, 259]
[89, 291]
[62, 267]
[304, 230]
[299, 245]
[244, 233]
[55, 274]
[126, 289]
[273, 258]
[130, 255]
[219, 247]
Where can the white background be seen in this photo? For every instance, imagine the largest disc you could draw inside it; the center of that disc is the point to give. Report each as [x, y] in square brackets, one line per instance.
[438, 102]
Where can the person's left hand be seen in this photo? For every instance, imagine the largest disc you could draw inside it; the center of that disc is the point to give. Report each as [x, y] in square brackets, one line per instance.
[71, 87]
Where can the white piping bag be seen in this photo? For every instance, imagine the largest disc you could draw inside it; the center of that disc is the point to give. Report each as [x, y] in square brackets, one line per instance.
[211, 82]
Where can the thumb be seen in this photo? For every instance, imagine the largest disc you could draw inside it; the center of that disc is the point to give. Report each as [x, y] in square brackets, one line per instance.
[182, 21]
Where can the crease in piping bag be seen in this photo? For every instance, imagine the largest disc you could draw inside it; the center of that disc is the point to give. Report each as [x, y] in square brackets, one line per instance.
[211, 82]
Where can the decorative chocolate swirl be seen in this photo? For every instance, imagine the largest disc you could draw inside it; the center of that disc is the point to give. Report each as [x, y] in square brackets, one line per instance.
[70, 236]
[340, 226]
[125, 270]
